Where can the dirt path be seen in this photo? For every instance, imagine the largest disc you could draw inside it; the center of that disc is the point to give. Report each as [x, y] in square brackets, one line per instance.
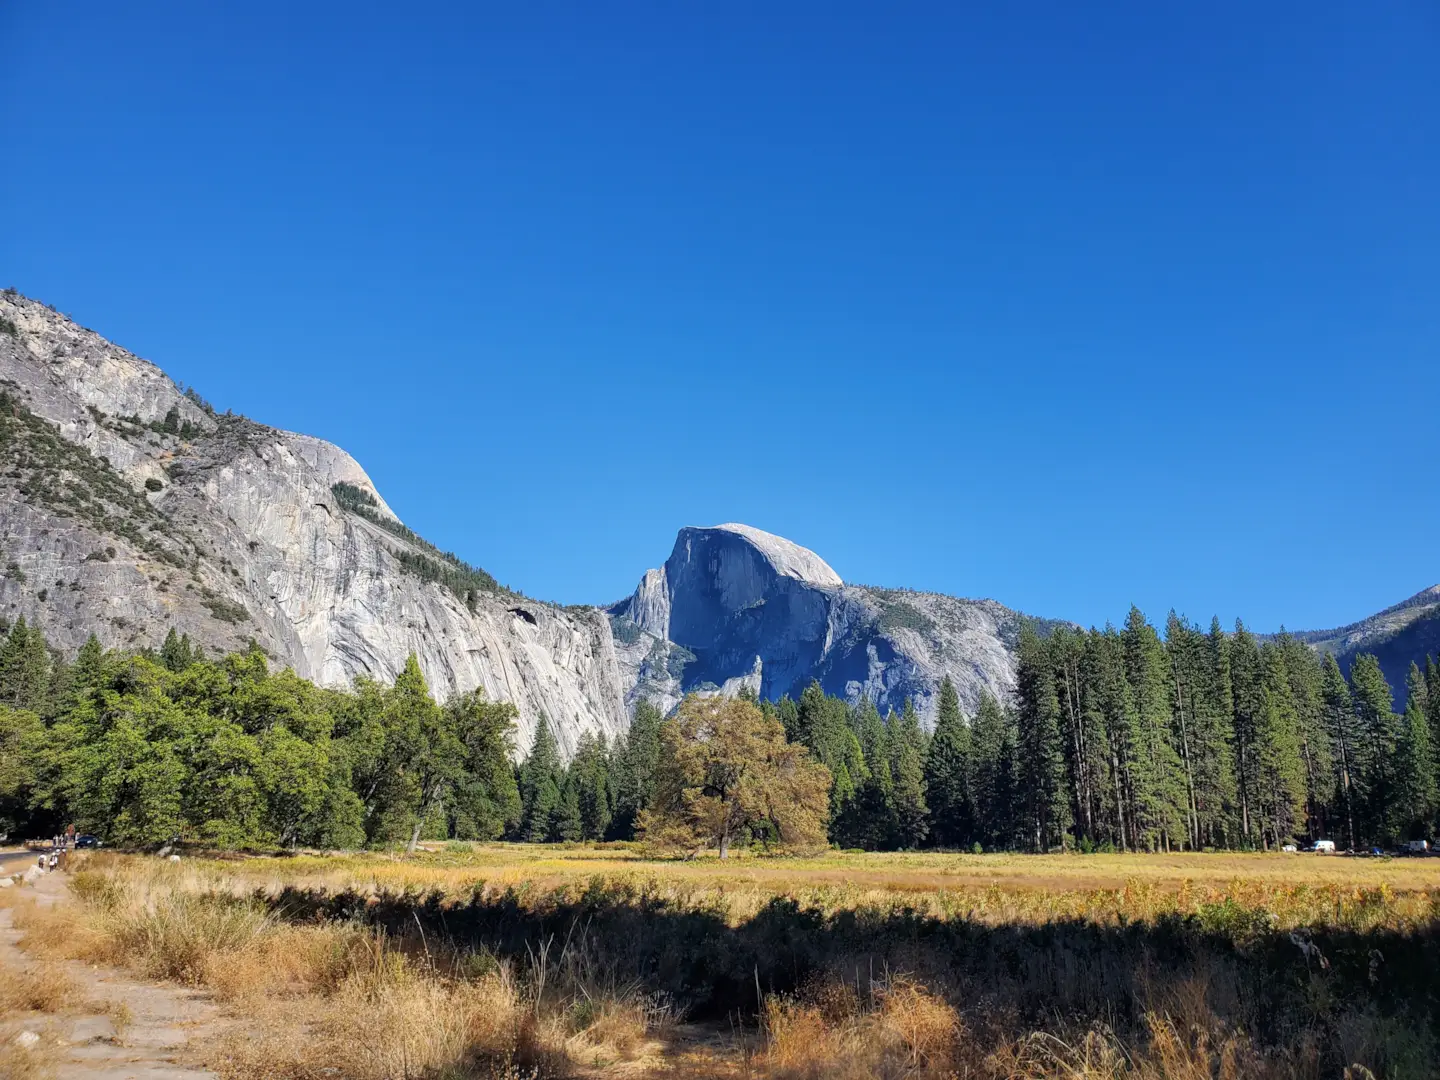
[163, 1034]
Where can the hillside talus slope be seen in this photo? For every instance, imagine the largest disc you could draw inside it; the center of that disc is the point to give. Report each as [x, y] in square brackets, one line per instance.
[127, 508]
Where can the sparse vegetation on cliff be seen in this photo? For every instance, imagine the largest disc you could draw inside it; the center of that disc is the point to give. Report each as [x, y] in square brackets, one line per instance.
[429, 563]
[68, 480]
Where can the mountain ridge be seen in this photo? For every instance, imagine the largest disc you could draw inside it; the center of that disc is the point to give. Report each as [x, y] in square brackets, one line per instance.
[133, 506]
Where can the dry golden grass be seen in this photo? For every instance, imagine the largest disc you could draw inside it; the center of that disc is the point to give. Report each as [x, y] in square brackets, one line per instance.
[456, 867]
[340, 998]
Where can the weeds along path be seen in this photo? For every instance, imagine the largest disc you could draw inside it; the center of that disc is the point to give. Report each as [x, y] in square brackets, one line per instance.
[100, 1024]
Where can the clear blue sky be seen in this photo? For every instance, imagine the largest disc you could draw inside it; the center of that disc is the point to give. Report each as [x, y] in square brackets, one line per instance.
[1071, 305]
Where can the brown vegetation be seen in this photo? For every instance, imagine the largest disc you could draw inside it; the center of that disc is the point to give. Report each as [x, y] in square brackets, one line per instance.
[351, 965]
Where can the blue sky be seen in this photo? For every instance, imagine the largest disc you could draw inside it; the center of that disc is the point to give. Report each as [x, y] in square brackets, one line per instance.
[1069, 305]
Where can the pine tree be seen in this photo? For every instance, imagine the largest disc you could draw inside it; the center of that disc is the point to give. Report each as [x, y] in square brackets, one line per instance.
[1279, 770]
[590, 772]
[1303, 669]
[822, 725]
[1415, 763]
[1340, 724]
[993, 737]
[566, 822]
[633, 769]
[1432, 696]
[911, 814]
[1112, 705]
[1041, 758]
[1203, 715]
[25, 669]
[1246, 680]
[1081, 732]
[947, 773]
[1378, 731]
[868, 819]
[540, 777]
[1156, 772]
[176, 653]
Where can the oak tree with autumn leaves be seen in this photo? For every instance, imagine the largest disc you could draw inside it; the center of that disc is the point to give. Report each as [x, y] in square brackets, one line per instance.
[725, 771]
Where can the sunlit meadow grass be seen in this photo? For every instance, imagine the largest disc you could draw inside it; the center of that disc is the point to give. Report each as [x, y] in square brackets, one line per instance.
[511, 960]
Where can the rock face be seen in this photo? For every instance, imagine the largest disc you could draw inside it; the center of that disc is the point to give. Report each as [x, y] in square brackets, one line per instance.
[128, 507]
[1405, 633]
[734, 605]
[242, 537]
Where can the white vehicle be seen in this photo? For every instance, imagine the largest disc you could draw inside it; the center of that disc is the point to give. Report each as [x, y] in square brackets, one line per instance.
[1417, 847]
[1323, 847]
[1289, 848]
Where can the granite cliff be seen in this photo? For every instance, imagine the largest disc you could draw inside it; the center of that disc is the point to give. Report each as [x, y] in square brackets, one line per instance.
[128, 507]
[737, 606]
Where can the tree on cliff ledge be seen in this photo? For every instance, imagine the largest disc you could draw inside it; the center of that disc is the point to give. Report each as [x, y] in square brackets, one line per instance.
[725, 768]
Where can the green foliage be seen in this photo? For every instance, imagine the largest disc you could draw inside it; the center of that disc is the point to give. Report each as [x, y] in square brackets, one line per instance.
[7, 326]
[632, 770]
[1041, 753]
[948, 772]
[897, 614]
[141, 747]
[540, 778]
[226, 611]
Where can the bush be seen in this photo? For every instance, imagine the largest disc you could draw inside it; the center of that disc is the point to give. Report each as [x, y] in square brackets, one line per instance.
[152, 484]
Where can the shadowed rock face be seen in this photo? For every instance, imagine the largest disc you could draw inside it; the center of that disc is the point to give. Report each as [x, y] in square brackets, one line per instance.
[1406, 633]
[732, 598]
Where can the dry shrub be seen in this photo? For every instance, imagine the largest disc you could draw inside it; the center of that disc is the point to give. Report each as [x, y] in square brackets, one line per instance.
[905, 1031]
[43, 988]
[924, 1027]
[18, 1064]
[392, 1024]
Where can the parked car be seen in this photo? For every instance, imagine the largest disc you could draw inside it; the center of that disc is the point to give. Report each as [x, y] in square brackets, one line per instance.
[1323, 847]
[1417, 847]
[1289, 848]
[86, 840]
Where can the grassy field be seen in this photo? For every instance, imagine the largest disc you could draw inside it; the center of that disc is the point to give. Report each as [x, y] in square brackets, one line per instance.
[458, 865]
[507, 960]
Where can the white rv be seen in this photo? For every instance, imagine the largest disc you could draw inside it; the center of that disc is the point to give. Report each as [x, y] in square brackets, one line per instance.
[1323, 847]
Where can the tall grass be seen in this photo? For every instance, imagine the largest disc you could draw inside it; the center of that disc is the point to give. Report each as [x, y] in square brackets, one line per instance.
[640, 974]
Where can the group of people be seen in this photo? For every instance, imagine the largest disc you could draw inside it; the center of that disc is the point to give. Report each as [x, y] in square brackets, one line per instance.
[58, 855]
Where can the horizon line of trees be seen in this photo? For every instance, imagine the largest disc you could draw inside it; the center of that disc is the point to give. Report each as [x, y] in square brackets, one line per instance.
[1122, 739]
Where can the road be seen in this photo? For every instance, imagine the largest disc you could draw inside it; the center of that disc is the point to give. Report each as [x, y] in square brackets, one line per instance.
[15, 859]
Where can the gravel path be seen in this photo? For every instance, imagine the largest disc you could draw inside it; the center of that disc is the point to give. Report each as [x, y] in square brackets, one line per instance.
[164, 1036]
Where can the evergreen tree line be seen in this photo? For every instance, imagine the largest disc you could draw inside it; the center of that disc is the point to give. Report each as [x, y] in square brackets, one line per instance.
[1114, 739]
[1121, 739]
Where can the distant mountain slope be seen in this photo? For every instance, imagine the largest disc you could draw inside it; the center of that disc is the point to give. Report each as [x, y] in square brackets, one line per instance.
[127, 507]
[1405, 633]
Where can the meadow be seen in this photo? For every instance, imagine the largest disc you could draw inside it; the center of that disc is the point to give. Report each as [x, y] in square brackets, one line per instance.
[560, 961]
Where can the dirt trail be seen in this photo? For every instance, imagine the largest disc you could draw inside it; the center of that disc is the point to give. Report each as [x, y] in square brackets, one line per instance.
[164, 1033]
